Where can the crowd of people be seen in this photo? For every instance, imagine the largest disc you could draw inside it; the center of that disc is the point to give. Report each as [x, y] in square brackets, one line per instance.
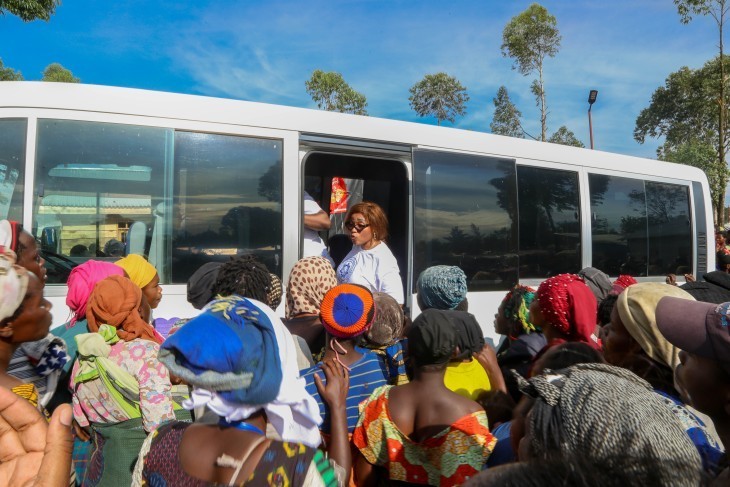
[596, 382]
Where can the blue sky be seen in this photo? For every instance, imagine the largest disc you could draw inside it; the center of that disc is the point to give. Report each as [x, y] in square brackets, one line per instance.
[265, 50]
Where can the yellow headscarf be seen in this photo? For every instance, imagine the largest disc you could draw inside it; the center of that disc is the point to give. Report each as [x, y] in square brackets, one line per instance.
[138, 269]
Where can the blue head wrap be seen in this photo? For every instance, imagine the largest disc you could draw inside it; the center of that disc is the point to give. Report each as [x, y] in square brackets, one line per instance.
[231, 349]
[442, 287]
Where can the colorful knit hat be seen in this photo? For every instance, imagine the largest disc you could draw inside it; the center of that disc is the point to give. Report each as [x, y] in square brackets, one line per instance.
[347, 310]
[442, 287]
[622, 282]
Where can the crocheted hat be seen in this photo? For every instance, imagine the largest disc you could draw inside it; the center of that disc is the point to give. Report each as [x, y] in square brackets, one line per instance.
[442, 287]
[347, 310]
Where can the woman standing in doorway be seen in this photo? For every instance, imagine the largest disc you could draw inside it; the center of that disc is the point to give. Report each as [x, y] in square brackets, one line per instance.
[370, 263]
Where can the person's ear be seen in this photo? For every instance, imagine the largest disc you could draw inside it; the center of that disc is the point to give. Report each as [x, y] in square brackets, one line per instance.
[457, 352]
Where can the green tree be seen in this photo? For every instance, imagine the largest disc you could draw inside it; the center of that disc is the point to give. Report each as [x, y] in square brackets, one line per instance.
[9, 74]
[702, 155]
[56, 73]
[565, 136]
[331, 92]
[506, 119]
[439, 95]
[718, 10]
[29, 10]
[528, 38]
[685, 111]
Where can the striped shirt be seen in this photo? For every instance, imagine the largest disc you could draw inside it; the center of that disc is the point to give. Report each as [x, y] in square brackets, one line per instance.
[366, 375]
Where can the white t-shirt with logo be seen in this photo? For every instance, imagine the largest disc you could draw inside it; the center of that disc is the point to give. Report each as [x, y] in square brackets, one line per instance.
[312, 243]
[376, 269]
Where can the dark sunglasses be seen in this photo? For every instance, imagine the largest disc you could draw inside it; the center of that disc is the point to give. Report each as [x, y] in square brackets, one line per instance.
[359, 226]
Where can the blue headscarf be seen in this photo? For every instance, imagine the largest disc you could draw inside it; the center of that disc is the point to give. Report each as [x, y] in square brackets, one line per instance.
[442, 287]
[231, 349]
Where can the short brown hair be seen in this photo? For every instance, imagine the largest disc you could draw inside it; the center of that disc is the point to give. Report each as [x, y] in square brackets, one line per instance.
[375, 216]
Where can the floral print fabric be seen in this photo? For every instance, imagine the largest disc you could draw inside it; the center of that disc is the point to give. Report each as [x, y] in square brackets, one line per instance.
[92, 402]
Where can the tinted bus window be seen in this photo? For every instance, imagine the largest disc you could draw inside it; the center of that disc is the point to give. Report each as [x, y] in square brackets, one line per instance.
[101, 193]
[12, 168]
[670, 229]
[618, 223]
[465, 212]
[549, 208]
[227, 201]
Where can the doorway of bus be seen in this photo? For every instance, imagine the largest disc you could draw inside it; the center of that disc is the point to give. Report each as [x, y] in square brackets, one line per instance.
[338, 178]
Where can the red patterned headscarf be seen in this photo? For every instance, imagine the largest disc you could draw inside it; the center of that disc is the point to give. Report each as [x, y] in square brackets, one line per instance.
[569, 306]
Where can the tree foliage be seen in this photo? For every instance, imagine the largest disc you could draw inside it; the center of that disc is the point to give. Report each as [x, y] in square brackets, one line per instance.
[439, 95]
[29, 10]
[9, 74]
[56, 73]
[565, 136]
[528, 38]
[506, 119]
[332, 93]
[685, 111]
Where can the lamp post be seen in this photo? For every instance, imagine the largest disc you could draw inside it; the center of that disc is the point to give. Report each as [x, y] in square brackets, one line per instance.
[591, 100]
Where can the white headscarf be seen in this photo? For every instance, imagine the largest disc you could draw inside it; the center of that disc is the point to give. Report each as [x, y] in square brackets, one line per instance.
[294, 413]
[13, 283]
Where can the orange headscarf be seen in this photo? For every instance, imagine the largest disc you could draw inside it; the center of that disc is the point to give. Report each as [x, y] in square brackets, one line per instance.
[115, 301]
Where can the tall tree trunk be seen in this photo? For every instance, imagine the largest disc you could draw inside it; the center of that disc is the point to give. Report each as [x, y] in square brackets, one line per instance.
[721, 149]
[543, 109]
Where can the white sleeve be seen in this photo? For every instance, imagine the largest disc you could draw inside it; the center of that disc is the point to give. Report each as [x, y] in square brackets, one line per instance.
[389, 279]
[310, 206]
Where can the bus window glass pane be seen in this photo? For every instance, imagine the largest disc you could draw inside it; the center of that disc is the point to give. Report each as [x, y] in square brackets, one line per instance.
[618, 223]
[670, 231]
[12, 168]
[549, 209]
[100, 193]
[465, 208]
[227, 201]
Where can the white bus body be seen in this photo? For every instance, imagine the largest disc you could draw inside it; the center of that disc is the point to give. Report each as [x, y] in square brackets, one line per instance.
[102, 171]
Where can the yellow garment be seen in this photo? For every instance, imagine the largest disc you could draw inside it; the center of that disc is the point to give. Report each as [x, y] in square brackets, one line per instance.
[468, 379]
[140, 271]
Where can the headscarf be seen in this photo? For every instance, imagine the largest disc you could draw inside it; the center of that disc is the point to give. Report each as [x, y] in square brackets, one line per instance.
[613, 419]
[516, 308]
[388, 324]
[442, 287]
[115, 301]
[598, 282]
[347, 311]
[247, 363]
[13, 283]
[81, 282]
[431, 338]
[9, 234]
[622, 282]
[469, 337]
[309, 281]
[273, 296]
[637, 309]
[570, 307]
[200, 284]
[140, 271]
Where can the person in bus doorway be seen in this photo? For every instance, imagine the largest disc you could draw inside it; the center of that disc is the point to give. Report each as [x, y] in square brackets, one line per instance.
[370, 263]
[315, 221]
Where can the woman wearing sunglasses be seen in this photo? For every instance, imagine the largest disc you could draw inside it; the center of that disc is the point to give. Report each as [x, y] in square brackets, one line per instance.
[370, 263]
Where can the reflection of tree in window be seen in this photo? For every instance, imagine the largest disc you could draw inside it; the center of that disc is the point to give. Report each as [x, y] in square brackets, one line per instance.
[270, 183]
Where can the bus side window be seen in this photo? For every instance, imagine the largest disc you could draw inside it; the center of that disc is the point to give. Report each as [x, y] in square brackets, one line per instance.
[227, 201]
[670, 230]
[549, 209]
[94, 182]
[465, 212]
[12, 163]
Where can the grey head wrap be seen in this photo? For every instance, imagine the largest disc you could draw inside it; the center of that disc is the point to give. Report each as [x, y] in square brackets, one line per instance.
[614, 420]
[442, 287]
[597, 281]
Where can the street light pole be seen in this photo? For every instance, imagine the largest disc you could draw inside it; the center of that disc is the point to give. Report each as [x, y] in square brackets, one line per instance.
[591, 100]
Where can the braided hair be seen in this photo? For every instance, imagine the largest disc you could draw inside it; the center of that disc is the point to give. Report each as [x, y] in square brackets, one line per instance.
[243, 275]
[516, 309]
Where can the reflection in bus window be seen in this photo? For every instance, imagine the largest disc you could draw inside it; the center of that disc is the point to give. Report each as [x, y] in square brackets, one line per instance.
[465, 212]
[227, 200]
[100, 193]
[618, 223]
[12, 162]
[549, 209]
[670, 230]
